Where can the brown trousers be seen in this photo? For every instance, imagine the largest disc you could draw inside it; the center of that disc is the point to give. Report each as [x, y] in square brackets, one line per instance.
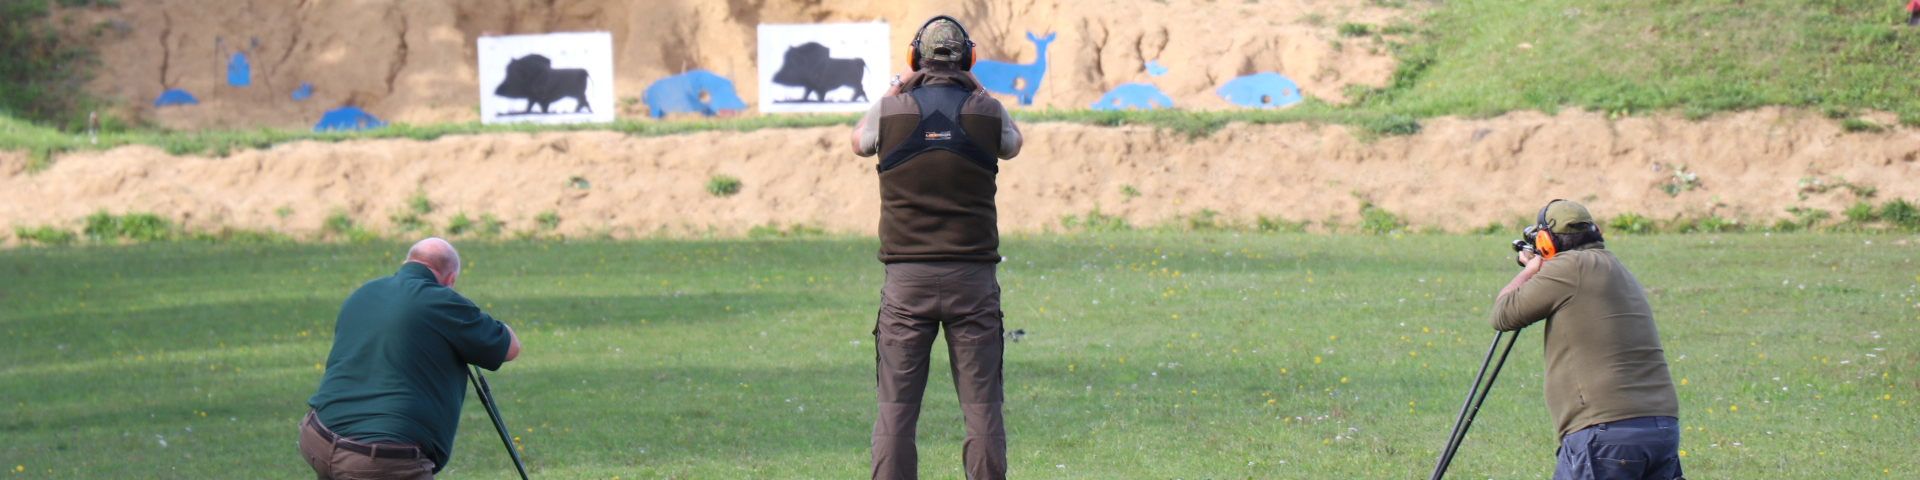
[917, 300]
[331, 462]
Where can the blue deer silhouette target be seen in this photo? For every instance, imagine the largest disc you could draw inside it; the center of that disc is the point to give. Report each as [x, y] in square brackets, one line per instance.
[1019, 80]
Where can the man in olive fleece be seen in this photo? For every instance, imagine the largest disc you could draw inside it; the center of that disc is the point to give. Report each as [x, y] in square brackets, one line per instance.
[939, 135]
[389, 403]
[1607, 385]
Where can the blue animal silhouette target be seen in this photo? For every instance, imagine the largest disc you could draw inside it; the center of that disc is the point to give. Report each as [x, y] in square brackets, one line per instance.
[1133, 95]
[174, 97]
[1260, 90]
[682, 94]
[1019, 80]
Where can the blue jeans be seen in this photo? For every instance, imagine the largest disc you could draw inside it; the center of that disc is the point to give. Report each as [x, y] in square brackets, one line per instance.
[1632, 449]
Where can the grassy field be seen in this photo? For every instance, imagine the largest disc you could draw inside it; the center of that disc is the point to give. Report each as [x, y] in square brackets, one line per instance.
[1149, 355]
[1484, 57]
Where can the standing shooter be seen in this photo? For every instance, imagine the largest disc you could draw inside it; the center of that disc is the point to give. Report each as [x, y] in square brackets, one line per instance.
[939, 135]
[389, 403]
[1607, 385]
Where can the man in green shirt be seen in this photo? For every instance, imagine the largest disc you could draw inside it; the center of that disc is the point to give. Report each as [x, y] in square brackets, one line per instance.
[389, 403]
[1607, 385]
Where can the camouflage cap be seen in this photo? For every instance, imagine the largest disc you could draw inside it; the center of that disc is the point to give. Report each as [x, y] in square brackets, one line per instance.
[1563, 214]
[943, 40]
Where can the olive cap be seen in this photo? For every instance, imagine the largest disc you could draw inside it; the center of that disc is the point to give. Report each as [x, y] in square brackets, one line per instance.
[1562, 215]
[943, 40]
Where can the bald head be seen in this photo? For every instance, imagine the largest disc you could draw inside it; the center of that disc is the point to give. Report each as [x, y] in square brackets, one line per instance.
[439, 256]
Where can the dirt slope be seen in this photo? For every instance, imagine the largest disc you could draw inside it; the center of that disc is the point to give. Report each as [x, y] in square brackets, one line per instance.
[414, 61]
[1456, 175]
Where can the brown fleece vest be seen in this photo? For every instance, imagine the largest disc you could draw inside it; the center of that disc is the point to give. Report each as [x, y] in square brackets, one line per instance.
[937, 204]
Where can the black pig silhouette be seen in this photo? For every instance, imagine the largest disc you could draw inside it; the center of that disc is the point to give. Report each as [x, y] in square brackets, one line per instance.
[533, 78]
[810, 66]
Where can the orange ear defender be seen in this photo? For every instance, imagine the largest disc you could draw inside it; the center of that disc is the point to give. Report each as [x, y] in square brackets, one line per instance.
[1543, 233]
[1543, 242]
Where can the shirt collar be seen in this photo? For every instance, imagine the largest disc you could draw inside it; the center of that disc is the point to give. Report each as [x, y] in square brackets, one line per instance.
[417, 269]
[942, 77]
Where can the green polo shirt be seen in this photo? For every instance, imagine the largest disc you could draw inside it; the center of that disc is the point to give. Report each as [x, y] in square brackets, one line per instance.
[397, 372]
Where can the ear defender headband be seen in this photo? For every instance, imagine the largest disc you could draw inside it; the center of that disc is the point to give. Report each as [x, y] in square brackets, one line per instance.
[1543, 233]
[913, 52]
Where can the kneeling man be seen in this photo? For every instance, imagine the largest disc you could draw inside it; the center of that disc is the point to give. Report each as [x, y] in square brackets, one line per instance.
[390, 401]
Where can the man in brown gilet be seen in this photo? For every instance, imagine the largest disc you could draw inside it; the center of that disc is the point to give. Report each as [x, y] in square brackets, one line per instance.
[1607, 385]
[939, 136]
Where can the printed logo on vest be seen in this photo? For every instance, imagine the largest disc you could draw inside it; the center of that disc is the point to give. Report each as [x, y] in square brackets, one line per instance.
[939, 135]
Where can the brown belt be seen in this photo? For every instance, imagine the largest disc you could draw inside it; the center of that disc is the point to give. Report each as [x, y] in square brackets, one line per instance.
[375, 450]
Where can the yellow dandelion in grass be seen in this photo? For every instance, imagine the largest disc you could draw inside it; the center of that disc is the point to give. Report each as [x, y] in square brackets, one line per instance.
[1271, 401]
[1733, 408]
[1683, 381]
[1316, 359]
[1683, 453]
[1069, 368]
[1343, 379]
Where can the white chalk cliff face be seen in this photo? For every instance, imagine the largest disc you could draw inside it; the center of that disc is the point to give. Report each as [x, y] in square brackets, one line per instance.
[414, 61]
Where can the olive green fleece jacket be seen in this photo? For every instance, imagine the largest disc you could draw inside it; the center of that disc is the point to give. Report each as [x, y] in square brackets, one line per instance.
[1603, 356]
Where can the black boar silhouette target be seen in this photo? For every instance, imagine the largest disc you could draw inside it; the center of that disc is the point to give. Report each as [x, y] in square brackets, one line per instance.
[534, 79]
[812, 67]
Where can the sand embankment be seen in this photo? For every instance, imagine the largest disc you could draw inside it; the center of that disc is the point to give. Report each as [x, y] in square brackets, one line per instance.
[1455, 175]
[416, 61]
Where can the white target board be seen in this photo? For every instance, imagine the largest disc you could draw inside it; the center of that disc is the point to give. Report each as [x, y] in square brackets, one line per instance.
[551, 78]
[831, 67]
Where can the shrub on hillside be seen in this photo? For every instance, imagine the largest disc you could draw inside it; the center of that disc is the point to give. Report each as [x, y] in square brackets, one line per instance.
[723, 185]
[1629, 222]
[44, 235]
[1376, 220]
[140, 227]
[1900, 214]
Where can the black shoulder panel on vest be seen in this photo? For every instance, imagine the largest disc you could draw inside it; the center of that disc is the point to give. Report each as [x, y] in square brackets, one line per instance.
[939, 129]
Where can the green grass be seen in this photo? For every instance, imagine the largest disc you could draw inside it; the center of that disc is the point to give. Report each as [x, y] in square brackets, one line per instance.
[1149, 355]
[1694, 56]
[16, 134]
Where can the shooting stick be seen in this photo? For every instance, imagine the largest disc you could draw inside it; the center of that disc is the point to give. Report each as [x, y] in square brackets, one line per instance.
[486, 399]
[1475, 397]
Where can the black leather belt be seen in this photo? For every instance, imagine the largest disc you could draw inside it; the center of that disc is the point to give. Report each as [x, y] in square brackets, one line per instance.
[375, 450]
